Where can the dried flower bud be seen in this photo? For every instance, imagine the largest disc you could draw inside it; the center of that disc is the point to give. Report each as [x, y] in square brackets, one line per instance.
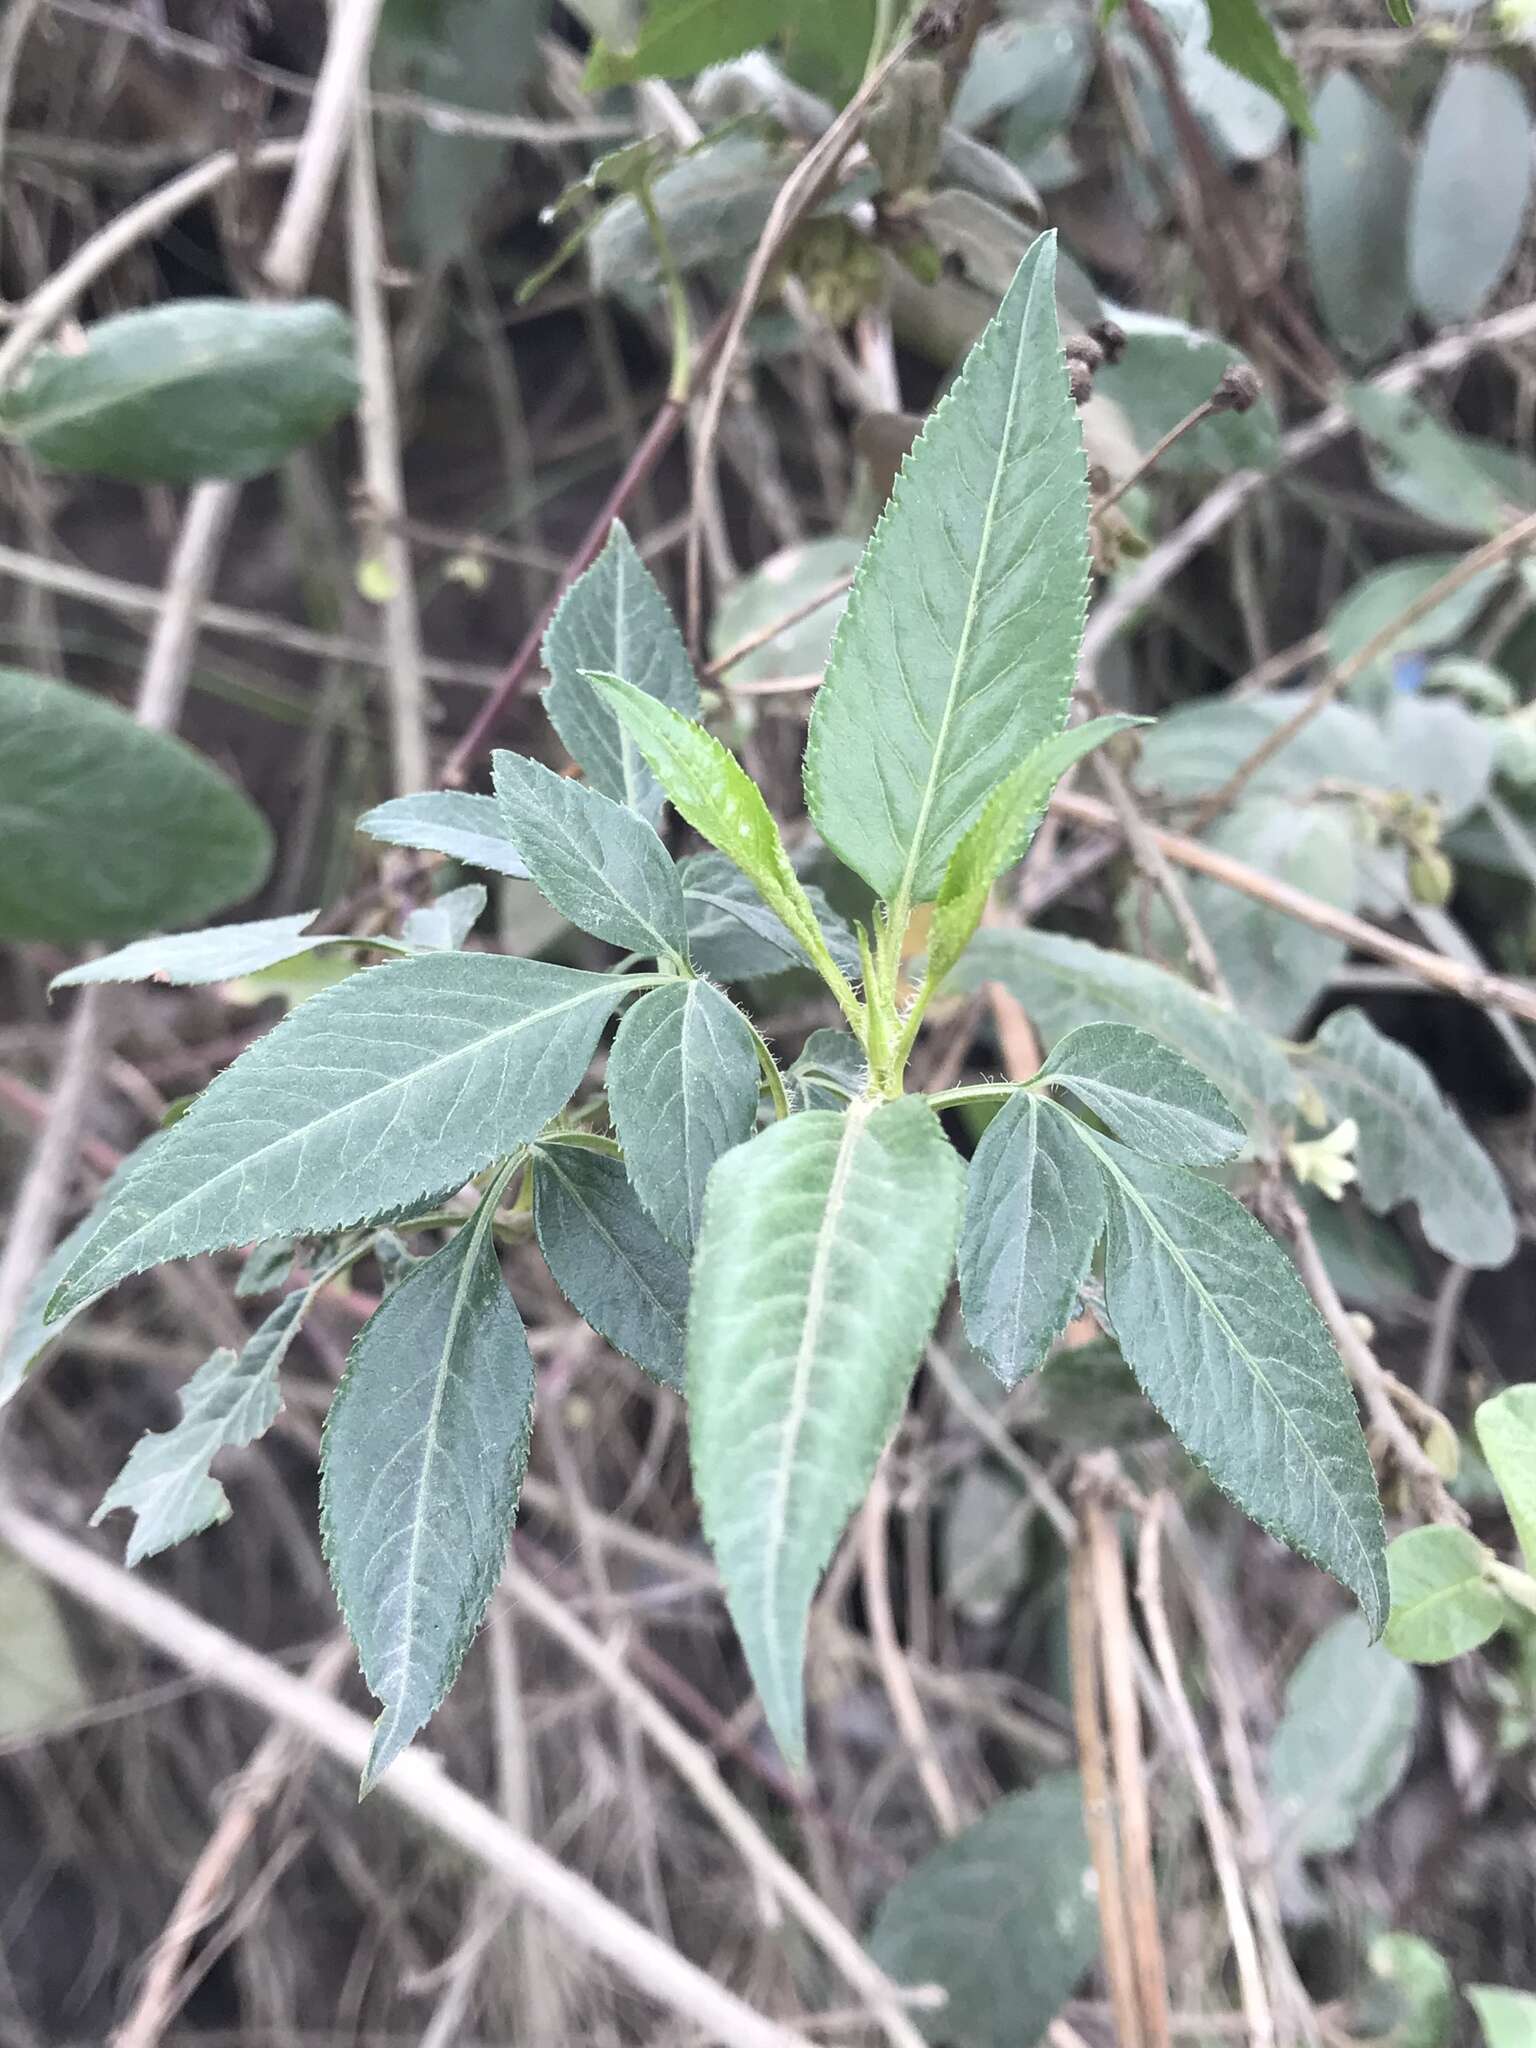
[939, 23]
[1083, 348]
[1239, 389]
[1110, 336]
[1080, 380]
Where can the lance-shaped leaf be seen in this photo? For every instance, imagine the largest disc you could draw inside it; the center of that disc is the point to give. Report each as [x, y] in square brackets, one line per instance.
[190, 959]
[608, 1258]
[1243, 37]
[1442, 1602]
[734, 936]
[1506, 1429]
[231, 1399]
[398, 1082]
[452, 821]
[1034, 1210]
[1413, 1145]
[957, 652]
[423, 1460]
[600, 864]
[1228, 1347]
[1000, 836]
[614, 621]
[443, 925]
[824, 1255]
[711, 789]
[1155, 1101]
[683, 1082]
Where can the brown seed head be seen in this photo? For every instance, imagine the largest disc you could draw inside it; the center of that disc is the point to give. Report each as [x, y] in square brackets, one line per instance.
[1239, 389]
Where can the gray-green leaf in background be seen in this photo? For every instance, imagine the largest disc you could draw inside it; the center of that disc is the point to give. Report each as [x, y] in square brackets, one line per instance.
[774, 590]
[1229, 1348]
[713, 204]
[231, 1399]
[219, 953]
[683, 1082]
[195, 388]
[1442, 1604]
[1430, 468]
[1150, 1097]
[1354, 184]
[1413, 1145]
[958, 648]
[1003, 1916]
[1343, 1741]
[1034, 1211]
[1384, 595]
[443, 925]
[734, 936]
[423, 1459]
[1198, 746]
[1506, 1430]
[1471, 187]
[599, 863]
[825, 1251]
[1243, 38]
[1506, 2016]
[398, 1082]
[1166, 371]
[608, 1258]
[454, 822]
[614, 620]
[1064, 982]
[111, 831]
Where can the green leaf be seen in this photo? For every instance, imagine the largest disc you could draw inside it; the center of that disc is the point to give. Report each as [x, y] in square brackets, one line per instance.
[1429, 468]
[422, 1463]
[681, 37]
[41, 1685]
[1166, 371]
[1382, 597]
[1197, 747]
[1228, 1347]
[776, 589]
[1413, 1146]
[1065, 982]
[734, 936]
[1421, 1988]
[1150, 1097]
[1442, 1605]
[398, 1082]
[1506, 1429]
[831, 1071]
[1003, 1916]
[1343, 1742]
[265, 1269]
[231, 1400]
[110, 831]
[608, 1258]
[1001, 835]
[714, 793]
[443, 925]
[1506, 2016]
[614, 621]
[824, 1255]
[957, 652]
[192, 959]
[1401, 11]
[1355, 212]
[1470, 190]
[195, 388]
[450, 821]
[600, 864]
[683, 1083]
[713, 204]
[1243, 37]
[1034, 1210]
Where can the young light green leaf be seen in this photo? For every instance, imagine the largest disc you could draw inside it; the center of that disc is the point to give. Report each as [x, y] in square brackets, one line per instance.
[684, 36]
[1470, 189]
[194, 388]
[609, 1260]
[957, 652]
[109, 830]
[1003, 1916]
[1034, 1211]
[1506, 1429]
[614, 621]
[600, 864]
[717, 797]
[443, 925]
[734, 936]
[421, 1467]
[1413, 1146]
[1506, 2016]
[1354, 183]
[1442, 1604]
[1065, 982]
[824, 1255]
[467, 828]
[231, 1399]
[191, 959]
[398, 1082]
[683, 1081]
[1228, 1347]
[1001, 834]
[1243, 37]
[1150, 1097]
[1343, 1741]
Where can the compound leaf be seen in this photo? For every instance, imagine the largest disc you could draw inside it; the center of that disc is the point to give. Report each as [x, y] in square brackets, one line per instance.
[824, 1255]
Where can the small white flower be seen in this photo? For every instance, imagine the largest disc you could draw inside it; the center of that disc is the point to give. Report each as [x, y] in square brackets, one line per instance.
[1325, 1163]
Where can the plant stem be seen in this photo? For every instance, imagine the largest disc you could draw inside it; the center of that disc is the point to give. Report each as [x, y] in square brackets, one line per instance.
[678, 318]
